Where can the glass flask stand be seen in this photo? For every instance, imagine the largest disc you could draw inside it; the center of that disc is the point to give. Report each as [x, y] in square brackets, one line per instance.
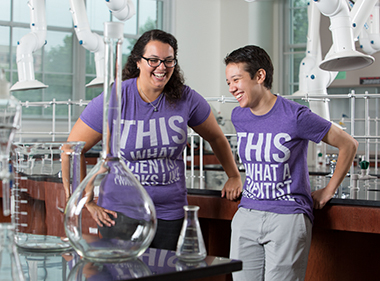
[191, 247]
[119, 191]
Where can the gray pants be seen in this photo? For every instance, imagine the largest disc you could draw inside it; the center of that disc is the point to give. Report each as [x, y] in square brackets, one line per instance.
[272, 246]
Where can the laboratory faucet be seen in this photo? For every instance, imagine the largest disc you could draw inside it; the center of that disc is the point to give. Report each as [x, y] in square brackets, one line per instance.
[355, 178]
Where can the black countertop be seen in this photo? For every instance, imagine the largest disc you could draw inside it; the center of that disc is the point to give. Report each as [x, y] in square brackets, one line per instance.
[214, 178]
[154, 265]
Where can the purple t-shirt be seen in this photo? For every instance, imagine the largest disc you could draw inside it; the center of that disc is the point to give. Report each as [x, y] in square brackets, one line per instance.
[273, 149]
[152, 143]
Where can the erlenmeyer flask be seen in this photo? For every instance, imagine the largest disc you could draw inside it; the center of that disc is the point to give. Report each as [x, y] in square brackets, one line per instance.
[191, 247]
[117, 188]
[41, 189]
[10, 266]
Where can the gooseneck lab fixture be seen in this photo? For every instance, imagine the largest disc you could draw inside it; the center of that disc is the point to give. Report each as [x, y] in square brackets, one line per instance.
[36, 39]
[29, 44]
[316, 73]
[121, 9]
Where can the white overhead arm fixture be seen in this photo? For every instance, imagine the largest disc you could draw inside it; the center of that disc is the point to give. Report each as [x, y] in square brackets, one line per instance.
[342, 56]
[28, 45]
[122, 9]
[89, 40]
[312, 79]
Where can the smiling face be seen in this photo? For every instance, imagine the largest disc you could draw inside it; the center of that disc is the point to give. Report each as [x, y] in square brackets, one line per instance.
[247, 91]
[154, 79]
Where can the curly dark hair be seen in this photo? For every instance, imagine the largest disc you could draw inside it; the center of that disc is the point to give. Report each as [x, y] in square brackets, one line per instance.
[173, 89]
[254, 59]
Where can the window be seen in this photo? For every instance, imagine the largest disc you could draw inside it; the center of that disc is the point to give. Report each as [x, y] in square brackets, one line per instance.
[62, 63]
[295, 45]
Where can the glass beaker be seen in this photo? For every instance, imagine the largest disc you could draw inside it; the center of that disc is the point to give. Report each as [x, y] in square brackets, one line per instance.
[41, 190]
[190, 246]
[10, 266]
[10, 113]
[119, 195]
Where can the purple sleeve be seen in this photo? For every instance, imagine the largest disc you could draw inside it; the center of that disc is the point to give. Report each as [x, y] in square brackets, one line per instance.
[312, 126]
[92, 115]
[200, 109]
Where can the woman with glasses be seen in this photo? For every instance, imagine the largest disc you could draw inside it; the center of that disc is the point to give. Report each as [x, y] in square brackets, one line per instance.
[156, 110]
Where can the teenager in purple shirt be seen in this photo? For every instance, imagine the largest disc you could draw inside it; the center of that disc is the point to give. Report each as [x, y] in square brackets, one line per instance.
[271, 231]
[156, 110]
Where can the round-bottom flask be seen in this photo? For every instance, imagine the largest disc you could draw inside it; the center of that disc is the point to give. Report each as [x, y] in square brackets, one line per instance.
[110, 185]
[191, 247]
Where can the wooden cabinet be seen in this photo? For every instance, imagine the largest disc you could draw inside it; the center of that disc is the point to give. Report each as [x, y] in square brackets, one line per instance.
[345, 243]
[41, 206]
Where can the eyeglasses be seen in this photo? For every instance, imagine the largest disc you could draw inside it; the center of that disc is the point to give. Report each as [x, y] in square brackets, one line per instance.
[153, 62]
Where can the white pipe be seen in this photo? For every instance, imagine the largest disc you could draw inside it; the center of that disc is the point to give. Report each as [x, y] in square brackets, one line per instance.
[313, 36]
[329, 8]
[201, 177]
[313, 49]
[28, 44]
[312, 79]
[370, 35]
[192, 176]
[352, 170]
[365, 43]
[53, 120]
[360, 13]
[88, 39]
[122, 9]
[367, 127]
[341, 28]
[374, 26]
[376, 133]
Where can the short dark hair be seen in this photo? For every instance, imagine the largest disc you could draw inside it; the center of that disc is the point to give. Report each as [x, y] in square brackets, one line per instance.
[254, 59]
[173, 89]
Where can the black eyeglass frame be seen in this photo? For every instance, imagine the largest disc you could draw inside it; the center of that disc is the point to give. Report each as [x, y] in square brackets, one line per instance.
[161, 61]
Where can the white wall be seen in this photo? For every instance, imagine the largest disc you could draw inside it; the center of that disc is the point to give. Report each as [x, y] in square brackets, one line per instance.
[207, 30]
[197, 29]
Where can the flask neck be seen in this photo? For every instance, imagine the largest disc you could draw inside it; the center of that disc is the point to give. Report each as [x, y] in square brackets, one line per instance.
[112, 90]
[191, 212]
